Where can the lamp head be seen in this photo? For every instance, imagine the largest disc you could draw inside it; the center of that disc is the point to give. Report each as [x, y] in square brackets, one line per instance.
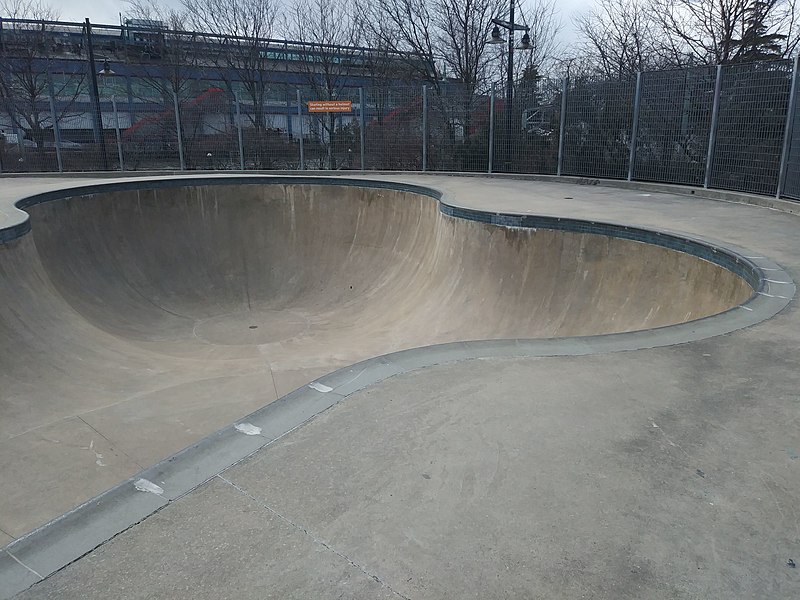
[496, 37]
[106, 69]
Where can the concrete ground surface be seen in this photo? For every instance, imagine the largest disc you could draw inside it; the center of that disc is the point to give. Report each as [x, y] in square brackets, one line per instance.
[668, 472]
[585, 477]
[136, 323]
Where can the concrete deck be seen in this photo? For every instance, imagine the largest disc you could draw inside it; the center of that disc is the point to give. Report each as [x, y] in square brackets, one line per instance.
[667, 472]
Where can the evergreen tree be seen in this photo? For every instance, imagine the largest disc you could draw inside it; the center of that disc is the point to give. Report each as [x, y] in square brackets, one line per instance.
[757, 41]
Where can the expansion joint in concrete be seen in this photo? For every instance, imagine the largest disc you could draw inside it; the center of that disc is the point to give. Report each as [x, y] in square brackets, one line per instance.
[19, 562]
[314, 538]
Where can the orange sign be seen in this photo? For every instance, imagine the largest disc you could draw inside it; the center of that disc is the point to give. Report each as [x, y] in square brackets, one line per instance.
[326, 106]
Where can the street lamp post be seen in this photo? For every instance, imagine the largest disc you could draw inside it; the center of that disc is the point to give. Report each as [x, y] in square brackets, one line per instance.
[97, 115]
[525, 44]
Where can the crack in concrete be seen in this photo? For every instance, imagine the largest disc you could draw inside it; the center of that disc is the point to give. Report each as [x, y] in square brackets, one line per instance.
[113, 445]
[316, 540]
[272, 376]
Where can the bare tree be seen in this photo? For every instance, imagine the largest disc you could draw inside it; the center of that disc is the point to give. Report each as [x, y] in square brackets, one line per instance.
[463, 28]
[175, 50]
[619, 38]
[241, 53]
[791, 26]
[393, 97]
[406, 26]
[328, 55]
[726, 31]
[174, 70]
[541, 16]
[26, 64]
[444, 38]
[28, 9]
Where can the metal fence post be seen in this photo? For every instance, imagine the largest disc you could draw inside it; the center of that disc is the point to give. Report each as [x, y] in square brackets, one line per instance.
[362, 123]
[116, 133]
[424, 127]
[131, 107]
[95, 96]
[300, 127]
[491, 130]
[56, 135]
[562, 126]
[239, 131]
[787, 134]
[178, 129]
[637, 100]
[20, 138]
[712, 136]
[288, 103]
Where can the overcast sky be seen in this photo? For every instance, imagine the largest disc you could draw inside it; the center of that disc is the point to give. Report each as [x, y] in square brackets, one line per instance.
[107, 11]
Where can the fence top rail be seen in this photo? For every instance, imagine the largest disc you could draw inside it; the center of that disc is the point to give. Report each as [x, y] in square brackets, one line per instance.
[53, 27]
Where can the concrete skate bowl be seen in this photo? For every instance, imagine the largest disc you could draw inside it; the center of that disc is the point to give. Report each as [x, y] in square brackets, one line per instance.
[158, 311]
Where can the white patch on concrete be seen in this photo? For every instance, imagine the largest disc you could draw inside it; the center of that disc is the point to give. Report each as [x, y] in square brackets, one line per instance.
[746, 308]
[98, 458]
[248, 429]
[143, 485]
[776, 281]
[653, 423]
[320, 387]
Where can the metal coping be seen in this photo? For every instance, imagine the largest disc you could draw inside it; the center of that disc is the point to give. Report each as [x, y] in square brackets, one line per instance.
[716, 254]
[18, 230]
[67, 538]
[713, 253]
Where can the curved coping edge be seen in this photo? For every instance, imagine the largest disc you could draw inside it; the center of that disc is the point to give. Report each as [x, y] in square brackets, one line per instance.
[714, 253]
[17, 230]
[65, 539]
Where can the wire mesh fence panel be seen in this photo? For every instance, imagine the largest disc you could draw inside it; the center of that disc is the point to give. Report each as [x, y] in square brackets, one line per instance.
[458, 128]
[86, 137]
[332, 141]
[27, 138]
[599, 118]
[157, 100]
[674, 125]
[534, 125]
[150, 142]
[29, 51]
[754, 100]
[208, 130]
[792, 183]
[393, 132]
[265, 128]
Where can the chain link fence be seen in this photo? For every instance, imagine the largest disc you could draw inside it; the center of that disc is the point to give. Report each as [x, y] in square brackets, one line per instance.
[735, 127]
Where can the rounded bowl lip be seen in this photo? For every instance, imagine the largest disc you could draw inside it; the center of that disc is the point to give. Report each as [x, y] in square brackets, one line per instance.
[71, 535]
[764, 303]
